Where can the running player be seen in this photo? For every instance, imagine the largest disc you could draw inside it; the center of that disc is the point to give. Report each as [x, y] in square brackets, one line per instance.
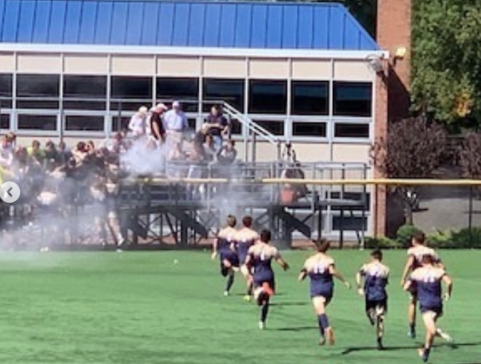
[259, 259]
[427, 279]
[415, 254]
[224, 248]
[245, 238]
[321, 269]
[375, 276]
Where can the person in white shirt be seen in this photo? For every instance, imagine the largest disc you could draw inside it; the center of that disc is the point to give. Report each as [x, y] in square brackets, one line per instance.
[6, 152]
[138, 122]
[175, 123]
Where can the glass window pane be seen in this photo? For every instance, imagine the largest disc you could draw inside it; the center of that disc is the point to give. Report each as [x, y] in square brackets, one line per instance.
[129, 106]
[235, 127]
[84, 105]
[4, 121]
[84, 123]
[124, 87]
[186, 90]
[305, 129]
[5, 102]
[37, 122]
[6, 82]
[349, 223]
[86, 87]
[353, 99]
[310, 98]
[353, 196]
[274, 127]
[267, 97]
[351, 130]
[230, 91]
[38, 85]
[119, 124]
[37, 104]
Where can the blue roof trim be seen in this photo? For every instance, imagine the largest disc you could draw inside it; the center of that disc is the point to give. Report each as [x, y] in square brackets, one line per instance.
[256, 25]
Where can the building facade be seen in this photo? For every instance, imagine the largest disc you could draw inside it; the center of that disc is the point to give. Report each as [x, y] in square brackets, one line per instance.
[79, 69]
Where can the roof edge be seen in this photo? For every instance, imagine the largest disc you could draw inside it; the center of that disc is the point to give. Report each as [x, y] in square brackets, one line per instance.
[193, 51]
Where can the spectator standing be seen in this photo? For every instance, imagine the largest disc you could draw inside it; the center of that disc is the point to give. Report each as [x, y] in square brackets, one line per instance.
[219, 126]
[6, 152]
[138, 123]
[175, 123]
[155, 127]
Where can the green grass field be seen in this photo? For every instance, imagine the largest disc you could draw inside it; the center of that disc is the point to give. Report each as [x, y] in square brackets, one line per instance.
[107, 308]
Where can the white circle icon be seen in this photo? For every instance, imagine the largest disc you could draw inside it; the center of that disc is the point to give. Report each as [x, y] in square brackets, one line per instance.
[9, 192]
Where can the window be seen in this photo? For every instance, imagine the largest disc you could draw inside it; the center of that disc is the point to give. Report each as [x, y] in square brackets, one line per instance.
[353, 99]
[192, 123]
[37, 104]
[364, 200]
[349, 223]
[186, 90]
[120, 123]
[274, 127]
[306, 129]
[351, 130]
[310, 98]
[139, 88]
[38, 86]
[84, 123]
[4, 121]
[77, 88]
[37, 122]
[6, 81]
[85, 87]
[235, 127]
[267, 97]
[230, 91]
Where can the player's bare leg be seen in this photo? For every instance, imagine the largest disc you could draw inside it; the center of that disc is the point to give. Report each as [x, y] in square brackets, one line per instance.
[429, 319]
[263, 299]
[245, 272]
[380, 328]
[412, 317]
[230, 276]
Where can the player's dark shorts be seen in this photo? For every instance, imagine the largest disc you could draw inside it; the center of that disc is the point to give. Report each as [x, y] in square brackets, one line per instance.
[260, 282]
[242, 257]
[376, 305]
[438, 310]
[231, 257]
[327, 293]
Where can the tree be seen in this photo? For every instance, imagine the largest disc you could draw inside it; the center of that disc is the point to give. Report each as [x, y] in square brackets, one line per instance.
[412, 149]
[446, 59]
[470, 155]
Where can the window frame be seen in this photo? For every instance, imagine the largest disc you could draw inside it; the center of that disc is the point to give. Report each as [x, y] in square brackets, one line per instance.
[312, 115]
[267, 113]
[34, 132]
[309, 120]
[205, 102]
[362, 121]
[371, 102]
[18, 96]
[111, 97]
[268, 117]
[105, 132]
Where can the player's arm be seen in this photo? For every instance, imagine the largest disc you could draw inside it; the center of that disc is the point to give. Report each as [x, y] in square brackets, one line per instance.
[281, 261]
[407, 269]
[449, 286]
[249, 258]
[408, 284]
[359, 281]
[215, 244]
[338, 275]
[303, 273]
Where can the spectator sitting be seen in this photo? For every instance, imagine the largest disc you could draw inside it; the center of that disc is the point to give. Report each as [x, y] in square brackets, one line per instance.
[219, 126]
[64, 154]
[138, 123]
[175, 123]
[228, 153]
[36, 153]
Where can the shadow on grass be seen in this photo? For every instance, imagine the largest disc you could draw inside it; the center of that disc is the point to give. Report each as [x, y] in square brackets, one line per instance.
[295, 329]
[453, 346]
[286, 304]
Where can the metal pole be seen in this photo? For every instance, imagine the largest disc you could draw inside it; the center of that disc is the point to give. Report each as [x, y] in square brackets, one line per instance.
[470, 216]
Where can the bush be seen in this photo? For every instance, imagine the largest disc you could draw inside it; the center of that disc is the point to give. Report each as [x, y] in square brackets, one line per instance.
[381, 243]
[404, 235]
[467, 238]
[441, 240]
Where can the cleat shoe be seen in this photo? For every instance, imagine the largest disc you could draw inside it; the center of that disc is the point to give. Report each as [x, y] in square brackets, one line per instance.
[444, 335]
[322, 341]
[226, 293]
[423, 354]
[262, 325]
[380, 346]
[247, 298]
[412, 334]
[330, 336]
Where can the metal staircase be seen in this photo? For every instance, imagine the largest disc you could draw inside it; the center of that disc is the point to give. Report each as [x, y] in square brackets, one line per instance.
[254, 131]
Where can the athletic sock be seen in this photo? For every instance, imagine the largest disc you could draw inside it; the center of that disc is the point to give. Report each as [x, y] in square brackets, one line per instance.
[264, 310]
[426, 352]
[321, 326]
[412, 329]
[230, 282]
[249, 290]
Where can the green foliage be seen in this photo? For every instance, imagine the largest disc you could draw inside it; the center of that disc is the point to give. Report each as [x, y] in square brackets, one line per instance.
[446, 59]
[441, 240]
[381, 243]
[404, 235]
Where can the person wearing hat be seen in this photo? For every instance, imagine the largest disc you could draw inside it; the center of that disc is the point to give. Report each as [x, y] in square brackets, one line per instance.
[138, 122]
[156, 129]
[175, 123]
